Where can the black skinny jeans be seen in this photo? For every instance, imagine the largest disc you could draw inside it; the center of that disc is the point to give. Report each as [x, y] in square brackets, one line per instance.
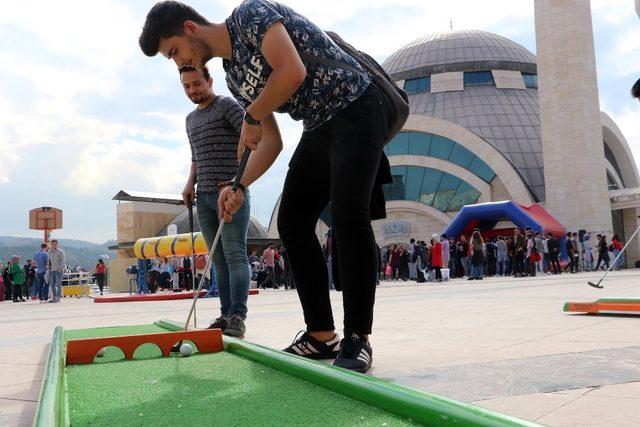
[338, 163]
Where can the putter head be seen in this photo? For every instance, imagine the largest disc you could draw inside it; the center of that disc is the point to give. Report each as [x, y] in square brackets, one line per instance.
[595, 285]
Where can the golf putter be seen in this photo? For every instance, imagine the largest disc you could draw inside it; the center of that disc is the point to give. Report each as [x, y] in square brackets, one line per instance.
[193, 258]
[598, 285]
[239, 173]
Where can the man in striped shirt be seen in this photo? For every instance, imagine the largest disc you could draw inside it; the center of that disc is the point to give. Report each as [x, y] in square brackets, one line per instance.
[214, 129]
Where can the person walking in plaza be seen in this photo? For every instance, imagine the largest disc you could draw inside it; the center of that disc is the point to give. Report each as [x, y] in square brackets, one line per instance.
[603, 251]
[617, 246]
[436, 257]
[554, 254]
[446, 254]
[576, 250]
[269, 258]
[1, 282]
[539, 244]
[101, 272]
[412, 264]
[40, 289]
[394, 262]
[546, 261]
[570, 248]
[152, 275]
[29, 278]
[501, 256]
[520, 253]
[587, 252]
[463, 255]
[57, 265]
[6, 278]
[17, 279]
[477, 256]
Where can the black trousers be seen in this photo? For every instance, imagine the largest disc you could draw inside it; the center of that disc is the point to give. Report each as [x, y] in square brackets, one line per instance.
[187, 276]
[100, 280]
[519, 262]
[337, 163]
[555, 264]
[152, 281]
[17, 291]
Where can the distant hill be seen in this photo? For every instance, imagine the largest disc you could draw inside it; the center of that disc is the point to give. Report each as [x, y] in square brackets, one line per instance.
[77, 252]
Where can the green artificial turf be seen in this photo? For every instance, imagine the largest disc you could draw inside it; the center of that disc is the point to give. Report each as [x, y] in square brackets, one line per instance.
[203, 389]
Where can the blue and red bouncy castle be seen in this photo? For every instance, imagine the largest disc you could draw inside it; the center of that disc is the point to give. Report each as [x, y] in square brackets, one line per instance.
[485, 216]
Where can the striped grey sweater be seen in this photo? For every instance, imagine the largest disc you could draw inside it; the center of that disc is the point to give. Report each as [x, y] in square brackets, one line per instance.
[214, 133]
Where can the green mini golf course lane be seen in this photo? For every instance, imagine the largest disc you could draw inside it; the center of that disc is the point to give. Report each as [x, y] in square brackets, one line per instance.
[204, 389]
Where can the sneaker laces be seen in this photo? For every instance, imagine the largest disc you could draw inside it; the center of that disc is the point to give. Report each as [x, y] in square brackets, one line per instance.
[301, 340]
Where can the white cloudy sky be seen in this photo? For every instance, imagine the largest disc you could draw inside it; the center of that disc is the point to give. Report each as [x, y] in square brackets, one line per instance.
[83, 113]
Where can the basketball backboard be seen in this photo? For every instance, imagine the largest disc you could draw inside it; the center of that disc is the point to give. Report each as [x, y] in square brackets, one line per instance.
[45, 218]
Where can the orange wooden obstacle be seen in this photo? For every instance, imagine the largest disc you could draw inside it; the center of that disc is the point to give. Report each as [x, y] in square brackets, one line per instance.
[83, 351]
[626, 305]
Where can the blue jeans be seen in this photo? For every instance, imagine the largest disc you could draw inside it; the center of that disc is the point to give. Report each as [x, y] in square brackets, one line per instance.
[55, 281]
[39, 287]
[620, 260]
[213, 285]
[476, 271]
[141, 278]
[232, 262]
[501, 265]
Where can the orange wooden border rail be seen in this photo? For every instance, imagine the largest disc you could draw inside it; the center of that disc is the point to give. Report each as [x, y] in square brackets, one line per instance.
[83, 351]
[598, 306]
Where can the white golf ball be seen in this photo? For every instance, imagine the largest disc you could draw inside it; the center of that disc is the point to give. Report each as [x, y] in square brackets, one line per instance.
[186, 349]
[100, 352]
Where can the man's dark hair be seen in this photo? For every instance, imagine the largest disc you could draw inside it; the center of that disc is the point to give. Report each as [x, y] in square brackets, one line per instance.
[43, 245]
[164, 20]
[53, 240]
[412, 240]
[205, 71]
[635, 90]
[444, 235]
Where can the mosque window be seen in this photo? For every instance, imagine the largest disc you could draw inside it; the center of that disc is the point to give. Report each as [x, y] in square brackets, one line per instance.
[530, 80]
[429, 145]
[608, 154]
[478, 78]
[421, 84]
[611, 183]
[431, 187]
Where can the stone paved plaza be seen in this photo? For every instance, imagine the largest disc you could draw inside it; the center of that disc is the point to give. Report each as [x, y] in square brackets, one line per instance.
[502, 343]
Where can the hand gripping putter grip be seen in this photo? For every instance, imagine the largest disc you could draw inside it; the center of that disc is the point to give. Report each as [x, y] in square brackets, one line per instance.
[239, 173]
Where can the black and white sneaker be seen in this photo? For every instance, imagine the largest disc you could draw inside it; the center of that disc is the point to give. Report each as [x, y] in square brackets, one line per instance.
[355, 354]
[221, 322]
[307, 346]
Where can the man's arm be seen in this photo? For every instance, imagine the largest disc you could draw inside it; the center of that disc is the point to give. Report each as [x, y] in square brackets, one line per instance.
[189, 192]
[64, 259]
[259, 162]
[287, 76]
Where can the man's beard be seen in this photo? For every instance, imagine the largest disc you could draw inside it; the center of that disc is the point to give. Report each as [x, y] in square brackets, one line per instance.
[199, 100]
[201, 50]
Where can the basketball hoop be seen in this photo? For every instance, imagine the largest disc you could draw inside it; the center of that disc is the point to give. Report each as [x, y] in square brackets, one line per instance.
[46, 219]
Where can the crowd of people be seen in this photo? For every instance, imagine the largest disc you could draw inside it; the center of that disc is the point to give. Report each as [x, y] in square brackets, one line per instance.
[174, 274]
[41, 278]
[524, 253]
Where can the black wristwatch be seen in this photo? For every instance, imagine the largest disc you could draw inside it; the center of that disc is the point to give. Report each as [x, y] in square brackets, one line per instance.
[251, 120]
